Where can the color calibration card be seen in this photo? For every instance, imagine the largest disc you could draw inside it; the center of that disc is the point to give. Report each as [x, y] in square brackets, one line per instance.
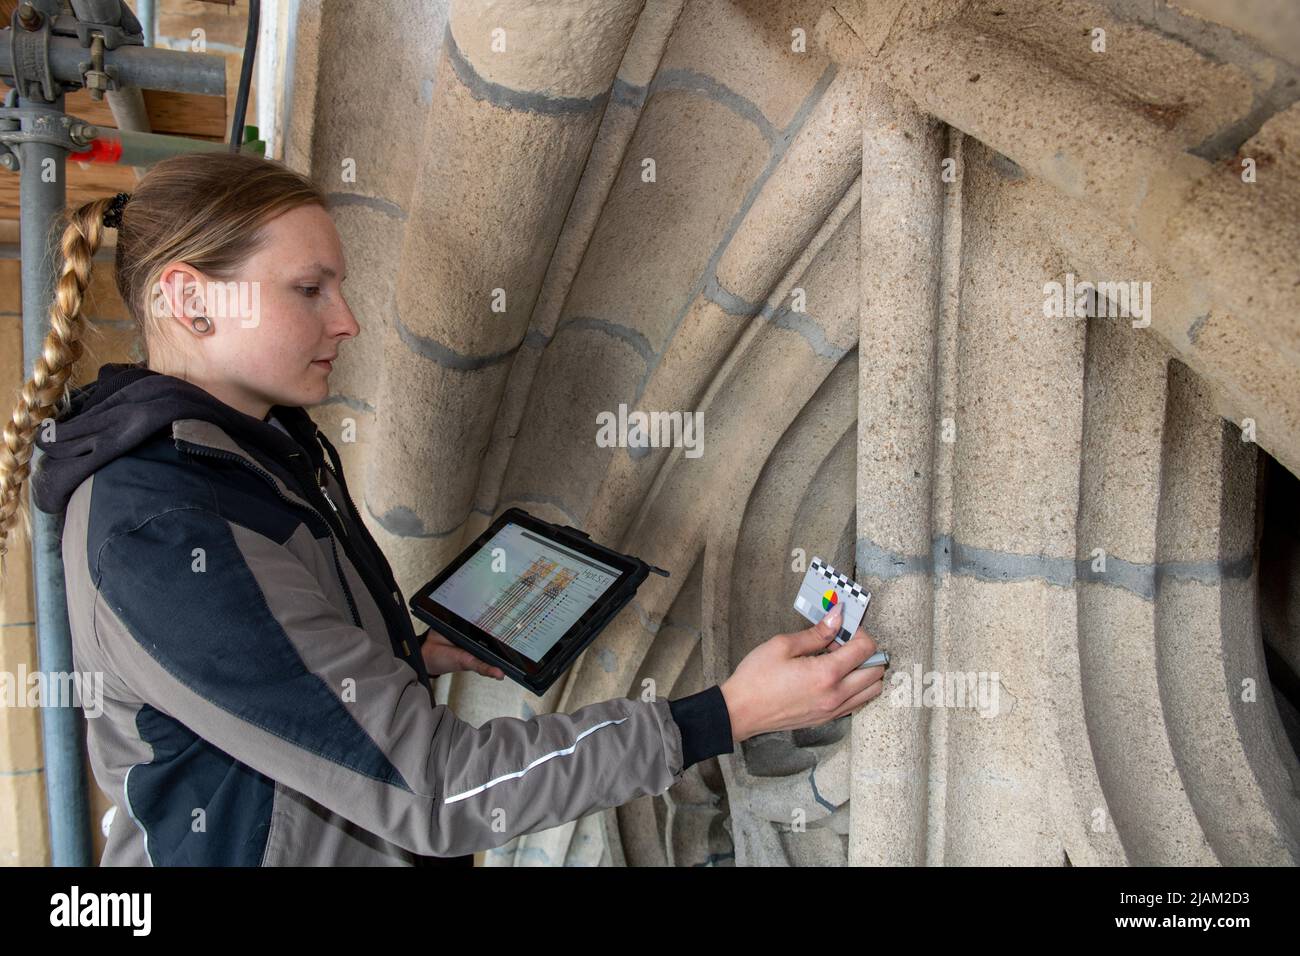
[537, 594]
[823, 587]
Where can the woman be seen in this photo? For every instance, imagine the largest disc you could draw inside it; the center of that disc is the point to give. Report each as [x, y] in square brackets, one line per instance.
[267, 700]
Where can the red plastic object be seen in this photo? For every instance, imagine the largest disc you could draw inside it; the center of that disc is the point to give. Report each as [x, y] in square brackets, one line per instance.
[100, 151]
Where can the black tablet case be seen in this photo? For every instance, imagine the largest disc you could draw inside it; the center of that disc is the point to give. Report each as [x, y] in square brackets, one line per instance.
[615, 602]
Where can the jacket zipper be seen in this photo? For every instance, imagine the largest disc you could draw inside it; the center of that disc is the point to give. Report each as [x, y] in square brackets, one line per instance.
[270, 480]
[365, 542]
[352, 508]
[329, 501]
[326, 495]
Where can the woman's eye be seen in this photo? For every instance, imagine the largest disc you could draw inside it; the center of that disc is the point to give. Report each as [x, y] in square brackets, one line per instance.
[308, 290]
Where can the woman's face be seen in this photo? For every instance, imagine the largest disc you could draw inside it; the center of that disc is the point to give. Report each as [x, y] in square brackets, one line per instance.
[276, 327]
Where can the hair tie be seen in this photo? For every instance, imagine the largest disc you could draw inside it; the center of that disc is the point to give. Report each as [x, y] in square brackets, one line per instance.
[113, 214]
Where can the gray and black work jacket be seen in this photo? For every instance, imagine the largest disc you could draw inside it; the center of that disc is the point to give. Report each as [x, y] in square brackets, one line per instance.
[265, 701]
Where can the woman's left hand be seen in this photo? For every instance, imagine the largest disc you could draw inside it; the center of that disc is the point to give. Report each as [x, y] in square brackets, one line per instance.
[441, 656]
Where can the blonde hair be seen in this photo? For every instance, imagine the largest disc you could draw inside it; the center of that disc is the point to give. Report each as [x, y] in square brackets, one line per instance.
[205, 209]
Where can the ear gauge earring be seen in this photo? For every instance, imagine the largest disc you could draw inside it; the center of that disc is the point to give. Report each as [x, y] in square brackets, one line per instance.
[200, 328]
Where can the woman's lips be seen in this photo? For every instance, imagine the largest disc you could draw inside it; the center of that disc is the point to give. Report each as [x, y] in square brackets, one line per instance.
[326, 364]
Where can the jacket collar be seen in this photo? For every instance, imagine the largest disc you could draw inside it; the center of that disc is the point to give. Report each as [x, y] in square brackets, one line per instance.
[129, 405]
[197, 435]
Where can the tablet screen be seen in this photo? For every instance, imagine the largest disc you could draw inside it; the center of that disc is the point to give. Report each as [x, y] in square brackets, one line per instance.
[527, 595]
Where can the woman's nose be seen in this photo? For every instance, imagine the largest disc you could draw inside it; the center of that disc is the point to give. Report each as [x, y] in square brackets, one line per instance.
[345, 323]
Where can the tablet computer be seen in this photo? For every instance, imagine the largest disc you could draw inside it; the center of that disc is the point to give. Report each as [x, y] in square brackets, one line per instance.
[529, 596]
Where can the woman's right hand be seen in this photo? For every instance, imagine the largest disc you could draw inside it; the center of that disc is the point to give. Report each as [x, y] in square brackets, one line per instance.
[784, 683]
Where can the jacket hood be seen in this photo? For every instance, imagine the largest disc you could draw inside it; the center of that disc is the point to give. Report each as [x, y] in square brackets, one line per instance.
[129, 405]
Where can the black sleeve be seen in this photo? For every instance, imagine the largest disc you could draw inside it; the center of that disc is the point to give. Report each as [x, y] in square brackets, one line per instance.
[704, 723]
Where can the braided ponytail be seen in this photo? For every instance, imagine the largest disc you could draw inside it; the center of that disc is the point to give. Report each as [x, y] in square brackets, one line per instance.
[47, 392]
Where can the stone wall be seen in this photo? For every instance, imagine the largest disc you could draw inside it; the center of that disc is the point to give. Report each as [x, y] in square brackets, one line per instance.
[839, 254]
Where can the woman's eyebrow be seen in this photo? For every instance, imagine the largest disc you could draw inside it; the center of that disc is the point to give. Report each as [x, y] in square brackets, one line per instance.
[321, 268]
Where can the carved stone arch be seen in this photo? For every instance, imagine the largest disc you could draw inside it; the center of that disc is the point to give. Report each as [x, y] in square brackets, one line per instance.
[782, 409]
[843, 256]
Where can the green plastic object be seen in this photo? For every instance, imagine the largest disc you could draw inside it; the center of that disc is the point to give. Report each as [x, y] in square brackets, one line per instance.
[251, 143]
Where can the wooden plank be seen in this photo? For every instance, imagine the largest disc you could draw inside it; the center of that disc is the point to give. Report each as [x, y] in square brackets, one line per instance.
[86, 181]
[174, 114]
[221, 27]
[187, 114]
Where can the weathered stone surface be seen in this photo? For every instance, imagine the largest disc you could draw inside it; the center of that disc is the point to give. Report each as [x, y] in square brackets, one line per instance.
[1066, 508]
